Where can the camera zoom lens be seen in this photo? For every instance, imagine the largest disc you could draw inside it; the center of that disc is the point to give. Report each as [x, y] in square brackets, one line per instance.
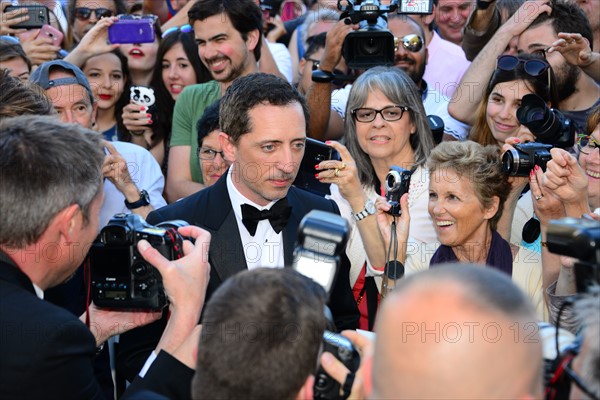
[370, 46]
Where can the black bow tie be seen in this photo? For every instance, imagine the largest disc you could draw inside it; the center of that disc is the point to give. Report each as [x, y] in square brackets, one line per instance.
[278, 216]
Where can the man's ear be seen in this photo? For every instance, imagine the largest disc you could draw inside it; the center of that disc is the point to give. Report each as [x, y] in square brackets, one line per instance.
[67, 222]
[94, 112]
[229, 149]
[306, 391]
[428, 19]
[253, 37]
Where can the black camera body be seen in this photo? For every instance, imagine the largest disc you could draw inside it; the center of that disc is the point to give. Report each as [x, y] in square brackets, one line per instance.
[397, 182]
[578, 238]
[325, 387]
[121, 278]
[524, 157]
[548, 125]
[373, 44]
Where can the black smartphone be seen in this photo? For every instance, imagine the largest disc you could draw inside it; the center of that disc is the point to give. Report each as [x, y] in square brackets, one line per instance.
[314, 152]
[38, 16]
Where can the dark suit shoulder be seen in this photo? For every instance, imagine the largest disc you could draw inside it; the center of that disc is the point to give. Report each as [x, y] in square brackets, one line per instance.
[187, 209]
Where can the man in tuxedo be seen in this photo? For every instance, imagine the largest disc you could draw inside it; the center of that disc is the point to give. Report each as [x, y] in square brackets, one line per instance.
[252, 212]
[50, 200]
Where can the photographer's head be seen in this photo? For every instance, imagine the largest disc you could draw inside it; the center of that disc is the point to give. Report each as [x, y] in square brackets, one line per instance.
[543, 31]
[406, 137]
[264, 122]
[51, 193]
[69, 90]
[261, 334]
[514, 77]
[457, 331]
[411, 50]
[228, 33]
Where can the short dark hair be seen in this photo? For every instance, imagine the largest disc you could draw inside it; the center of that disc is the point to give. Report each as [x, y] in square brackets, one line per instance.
[261, 336]
[245, 16]
[315, 43]
[9, 50]
[246, 92]
[566, 17]
[208, 122]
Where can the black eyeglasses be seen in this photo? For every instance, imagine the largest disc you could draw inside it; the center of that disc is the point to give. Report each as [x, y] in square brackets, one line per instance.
[412, 43]
[84, 13]
[208, 154]
[389, 113]
[587, 144]
[531, 67]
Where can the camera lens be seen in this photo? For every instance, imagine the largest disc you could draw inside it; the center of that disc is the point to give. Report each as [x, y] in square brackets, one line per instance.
[370, 46]
[516, 163]
[391, 180]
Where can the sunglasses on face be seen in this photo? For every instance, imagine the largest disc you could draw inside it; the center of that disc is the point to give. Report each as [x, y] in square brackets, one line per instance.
[84, 13]
[184, 28]
[412, 43]
[533, 68]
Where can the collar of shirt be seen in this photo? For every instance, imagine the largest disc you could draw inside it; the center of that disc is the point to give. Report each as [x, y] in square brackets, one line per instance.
[38, 291]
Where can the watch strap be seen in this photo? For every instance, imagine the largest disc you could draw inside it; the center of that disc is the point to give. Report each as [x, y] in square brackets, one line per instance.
[484, 5]
[143, 201]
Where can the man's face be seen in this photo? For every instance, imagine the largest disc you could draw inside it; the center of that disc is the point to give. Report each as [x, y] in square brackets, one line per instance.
[591, 8]
[413, 63]
[451, 17]
[222, 49]
[71, 102]
[537, 40]
[266, 159]
[81, 26]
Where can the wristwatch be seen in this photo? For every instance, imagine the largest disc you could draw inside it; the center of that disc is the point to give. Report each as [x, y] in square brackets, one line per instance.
[369, 210]
[483, 5]
[322, 76]
[143, 201]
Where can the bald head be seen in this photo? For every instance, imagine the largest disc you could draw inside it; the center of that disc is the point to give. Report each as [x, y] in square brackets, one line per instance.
[457, 332]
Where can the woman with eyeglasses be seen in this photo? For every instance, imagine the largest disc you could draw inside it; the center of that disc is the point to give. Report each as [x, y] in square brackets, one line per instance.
[385, 126]
[212, 159]
[177, 66]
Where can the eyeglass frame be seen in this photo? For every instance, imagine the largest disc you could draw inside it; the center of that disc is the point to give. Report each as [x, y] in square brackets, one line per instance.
[405, 43]
[520, 61]
[590, 139]
[403, 109]
[78, 10]
[183, 28]
[207, 150]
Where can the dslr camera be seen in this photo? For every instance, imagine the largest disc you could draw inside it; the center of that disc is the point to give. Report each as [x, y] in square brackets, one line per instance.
[548, 125]
[373, 43]
[397, 182]
[578, 238]
[322, 238]
[121, 278]
[521, 160]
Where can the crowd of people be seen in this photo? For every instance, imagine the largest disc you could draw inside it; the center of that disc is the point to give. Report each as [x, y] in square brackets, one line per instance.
[208, 124]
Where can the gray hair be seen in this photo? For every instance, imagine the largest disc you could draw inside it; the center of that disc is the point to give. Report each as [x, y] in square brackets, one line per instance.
[322, 14]
[45, 166]
[394, 84]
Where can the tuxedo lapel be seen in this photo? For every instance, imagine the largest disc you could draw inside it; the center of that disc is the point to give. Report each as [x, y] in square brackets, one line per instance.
[290, 232]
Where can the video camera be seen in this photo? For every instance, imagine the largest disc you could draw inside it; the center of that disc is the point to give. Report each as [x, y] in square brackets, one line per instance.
[373, 44]
[322, 238]
[578, 238]
[121, 278]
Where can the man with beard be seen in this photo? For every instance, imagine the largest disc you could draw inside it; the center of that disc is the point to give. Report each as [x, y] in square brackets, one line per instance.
[537, 24]
[410, 56]
[228, 33]
[252, 212]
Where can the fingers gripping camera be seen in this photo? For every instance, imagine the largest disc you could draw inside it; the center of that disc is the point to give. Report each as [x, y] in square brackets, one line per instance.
[121, 278]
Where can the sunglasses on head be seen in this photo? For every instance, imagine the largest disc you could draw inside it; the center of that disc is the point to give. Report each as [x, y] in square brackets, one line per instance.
[184, 28]
[412, 43]
[533, 68]
[84, 13]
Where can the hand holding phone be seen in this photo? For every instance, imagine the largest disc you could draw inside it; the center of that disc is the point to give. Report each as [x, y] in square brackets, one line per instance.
[38, 16]
[52, 33]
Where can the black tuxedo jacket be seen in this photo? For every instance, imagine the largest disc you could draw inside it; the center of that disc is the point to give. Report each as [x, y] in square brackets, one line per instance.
[45, 351]
[211, 209]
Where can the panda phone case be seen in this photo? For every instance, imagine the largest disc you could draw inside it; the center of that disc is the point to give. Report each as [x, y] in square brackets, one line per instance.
[144, 96]
[131, 31]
